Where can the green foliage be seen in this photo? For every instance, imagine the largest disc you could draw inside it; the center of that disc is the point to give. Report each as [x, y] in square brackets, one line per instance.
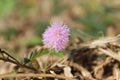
[57, 53]
[93, 6]
[23, 9]
[94, 25]
[97, 17]
[109, 20]
[6, 6]
[33, 41]
[26, 60]
[111, 9]
[9, 33]
[78, 33]
[40, 27]
[58, 8]
[36, 54]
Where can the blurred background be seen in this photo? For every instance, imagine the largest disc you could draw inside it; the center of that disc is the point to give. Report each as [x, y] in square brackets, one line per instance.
[22, 22]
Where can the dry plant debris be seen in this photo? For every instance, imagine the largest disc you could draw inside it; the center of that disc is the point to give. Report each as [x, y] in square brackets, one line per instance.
[98, 60]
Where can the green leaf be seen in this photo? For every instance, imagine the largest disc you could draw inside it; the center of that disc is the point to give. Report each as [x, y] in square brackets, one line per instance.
[23, 10]
[59, 54]
[94, 25]
[26, 60]
[10, 32]
[6, 6]
[111, 9]
[40, 27]
[109, 20]
[58, 7]
[38, 53]
[33, 41]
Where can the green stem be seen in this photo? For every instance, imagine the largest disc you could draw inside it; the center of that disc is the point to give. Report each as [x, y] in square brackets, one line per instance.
[46, 64]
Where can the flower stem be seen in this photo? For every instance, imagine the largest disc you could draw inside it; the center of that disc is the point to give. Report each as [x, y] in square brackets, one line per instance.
[46, 63]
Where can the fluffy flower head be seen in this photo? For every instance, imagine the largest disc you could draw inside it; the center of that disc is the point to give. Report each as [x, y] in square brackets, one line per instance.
[56, 36]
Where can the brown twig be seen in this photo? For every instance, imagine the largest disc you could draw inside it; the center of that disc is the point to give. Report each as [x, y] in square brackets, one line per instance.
[35, 75]
[4, 52]
[18, 64]
[14, 61]
[81, 69]
[110, 53]
[99, 69]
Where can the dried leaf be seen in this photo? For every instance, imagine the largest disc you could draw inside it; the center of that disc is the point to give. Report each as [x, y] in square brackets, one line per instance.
[67, 71]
